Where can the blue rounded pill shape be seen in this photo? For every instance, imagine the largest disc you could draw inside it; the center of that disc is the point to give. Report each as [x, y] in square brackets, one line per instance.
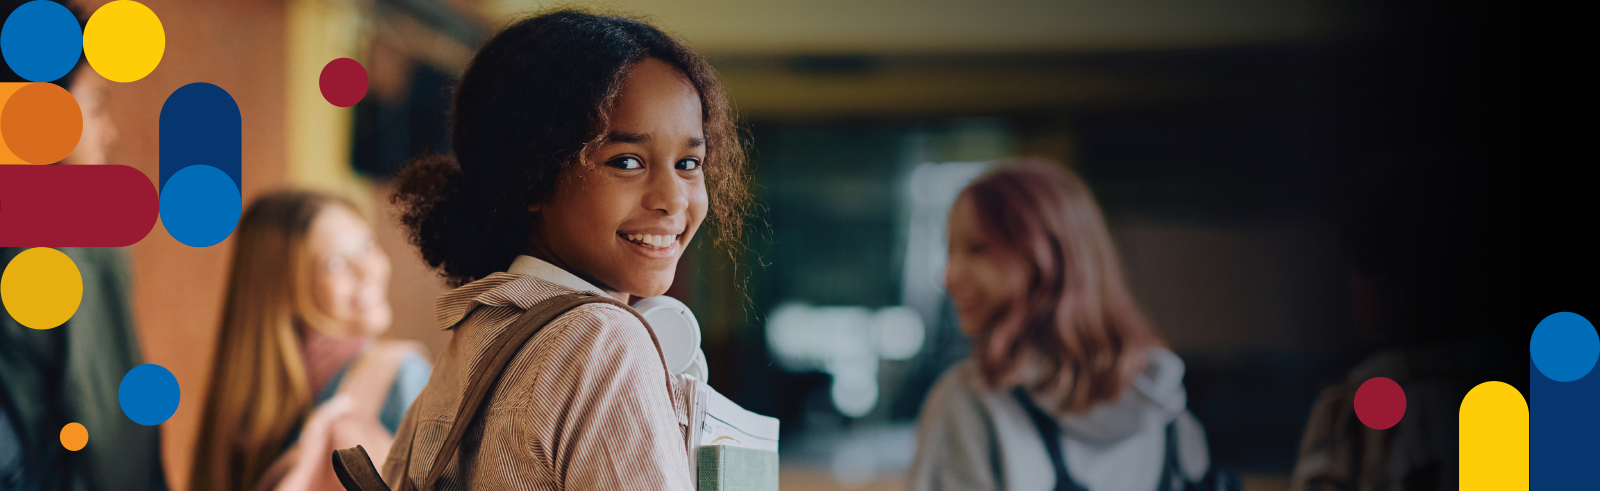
[149, 394]
[1564, 346]
[200, 206]
[41, 41]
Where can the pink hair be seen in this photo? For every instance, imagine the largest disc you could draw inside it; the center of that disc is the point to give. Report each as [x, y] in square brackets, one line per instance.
[1076, 315]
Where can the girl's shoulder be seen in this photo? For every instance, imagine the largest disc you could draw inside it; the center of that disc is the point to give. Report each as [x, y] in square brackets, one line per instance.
[604, 332]
[601, 318]
[958, 394]
[612, 315]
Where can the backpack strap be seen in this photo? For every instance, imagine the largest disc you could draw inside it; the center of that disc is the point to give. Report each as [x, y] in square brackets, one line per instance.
[498, 356]
[355, 471]
[1051, 434]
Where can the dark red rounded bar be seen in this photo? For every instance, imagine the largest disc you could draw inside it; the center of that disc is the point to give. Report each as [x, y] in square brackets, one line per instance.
[75, 206]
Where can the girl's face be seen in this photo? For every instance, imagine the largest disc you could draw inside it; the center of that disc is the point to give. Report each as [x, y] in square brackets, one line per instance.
[980, 274]
[623, 220]
[350, 274]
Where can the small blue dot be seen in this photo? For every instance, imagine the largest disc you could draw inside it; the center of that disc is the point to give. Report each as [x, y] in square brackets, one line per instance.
[41, 41]
[200, 206]
[1564, 346]
[149, 394]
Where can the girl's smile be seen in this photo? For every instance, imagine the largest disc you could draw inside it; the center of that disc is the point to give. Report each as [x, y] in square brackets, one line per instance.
[653, 244]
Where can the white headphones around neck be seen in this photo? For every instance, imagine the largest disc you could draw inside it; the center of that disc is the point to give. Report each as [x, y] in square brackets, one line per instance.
[679, 335]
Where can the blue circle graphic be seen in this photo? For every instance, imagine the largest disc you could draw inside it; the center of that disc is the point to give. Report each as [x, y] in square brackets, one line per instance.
[1564, 346]
[149, 394]
[41, 41]
[200, 206]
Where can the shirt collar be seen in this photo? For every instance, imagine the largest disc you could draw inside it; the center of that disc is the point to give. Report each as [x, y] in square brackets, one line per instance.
[538, 268]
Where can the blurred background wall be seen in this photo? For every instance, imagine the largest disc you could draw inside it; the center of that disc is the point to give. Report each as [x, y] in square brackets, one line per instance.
[242, 47]
[1228, 141]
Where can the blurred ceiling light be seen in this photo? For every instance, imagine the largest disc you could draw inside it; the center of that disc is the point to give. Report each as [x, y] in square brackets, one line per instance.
[897, 333]
[845, 342]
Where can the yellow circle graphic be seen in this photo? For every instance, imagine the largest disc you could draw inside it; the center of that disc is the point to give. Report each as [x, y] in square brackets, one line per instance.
[41, 288]
[124, 41]
[74, 436]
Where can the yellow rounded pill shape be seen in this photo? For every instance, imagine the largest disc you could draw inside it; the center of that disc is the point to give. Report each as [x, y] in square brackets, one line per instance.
[41, 288]
[74, 436]
[124, 41]
[1493, 438]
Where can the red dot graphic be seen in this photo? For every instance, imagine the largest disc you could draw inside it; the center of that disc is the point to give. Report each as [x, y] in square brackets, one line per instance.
[343, 82]
[1380, 403]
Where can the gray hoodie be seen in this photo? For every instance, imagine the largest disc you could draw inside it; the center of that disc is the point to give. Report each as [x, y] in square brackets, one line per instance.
[973, 438]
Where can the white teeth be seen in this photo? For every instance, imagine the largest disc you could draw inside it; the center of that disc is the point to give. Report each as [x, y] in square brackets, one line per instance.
[654, 241]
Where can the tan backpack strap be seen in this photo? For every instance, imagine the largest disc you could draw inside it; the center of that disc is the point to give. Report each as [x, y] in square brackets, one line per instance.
[499, 353]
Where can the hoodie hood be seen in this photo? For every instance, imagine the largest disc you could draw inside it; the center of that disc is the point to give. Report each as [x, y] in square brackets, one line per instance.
[1156, 397]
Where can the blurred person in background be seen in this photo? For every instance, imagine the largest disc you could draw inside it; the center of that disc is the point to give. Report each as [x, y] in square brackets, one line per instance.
[298, 371]
[1433, 300]
[71, 373]
[1068, 387]
[589, 150]
[1448, 257]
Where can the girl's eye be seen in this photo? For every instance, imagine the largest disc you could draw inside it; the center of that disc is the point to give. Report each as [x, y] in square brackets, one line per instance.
[626, 163]
[688, 164]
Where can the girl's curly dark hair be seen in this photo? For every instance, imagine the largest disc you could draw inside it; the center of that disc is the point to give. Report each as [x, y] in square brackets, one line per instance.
[532, 101]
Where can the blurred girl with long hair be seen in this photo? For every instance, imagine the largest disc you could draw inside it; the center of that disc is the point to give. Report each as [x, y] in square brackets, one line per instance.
[297, 370]
[1068, 387]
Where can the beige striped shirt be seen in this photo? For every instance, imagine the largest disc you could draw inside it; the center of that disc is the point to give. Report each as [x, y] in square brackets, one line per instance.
[586, 404]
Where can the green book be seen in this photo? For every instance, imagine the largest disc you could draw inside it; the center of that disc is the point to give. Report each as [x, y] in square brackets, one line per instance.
[730, 468]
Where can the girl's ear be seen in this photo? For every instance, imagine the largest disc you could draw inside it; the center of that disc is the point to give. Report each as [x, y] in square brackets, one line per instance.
[533, 208]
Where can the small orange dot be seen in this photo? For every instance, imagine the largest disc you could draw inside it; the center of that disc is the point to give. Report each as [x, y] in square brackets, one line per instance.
[74, 436]
[41, 123]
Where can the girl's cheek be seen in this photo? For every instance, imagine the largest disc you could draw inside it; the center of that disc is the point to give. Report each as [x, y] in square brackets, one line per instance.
[991, 286]
[344, 297]
[955, 276]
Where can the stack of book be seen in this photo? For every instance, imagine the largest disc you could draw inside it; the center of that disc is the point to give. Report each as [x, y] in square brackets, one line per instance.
[730, 448]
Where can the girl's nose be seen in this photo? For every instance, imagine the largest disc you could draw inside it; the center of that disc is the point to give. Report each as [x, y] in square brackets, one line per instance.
[667, 193]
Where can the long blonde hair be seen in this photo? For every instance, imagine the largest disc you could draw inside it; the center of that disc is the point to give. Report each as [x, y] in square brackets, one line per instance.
[1075, 312]
[259, 392]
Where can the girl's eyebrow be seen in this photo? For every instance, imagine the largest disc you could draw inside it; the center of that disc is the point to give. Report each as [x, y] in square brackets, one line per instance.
[637, 138]
[625, 137]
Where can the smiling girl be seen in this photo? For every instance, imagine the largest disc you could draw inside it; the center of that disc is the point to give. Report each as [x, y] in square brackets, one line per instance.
[589, 150]
[298, 367]
[1068, 387]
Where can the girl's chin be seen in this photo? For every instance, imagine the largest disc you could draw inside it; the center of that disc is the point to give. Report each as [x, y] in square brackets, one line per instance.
[651, 287]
